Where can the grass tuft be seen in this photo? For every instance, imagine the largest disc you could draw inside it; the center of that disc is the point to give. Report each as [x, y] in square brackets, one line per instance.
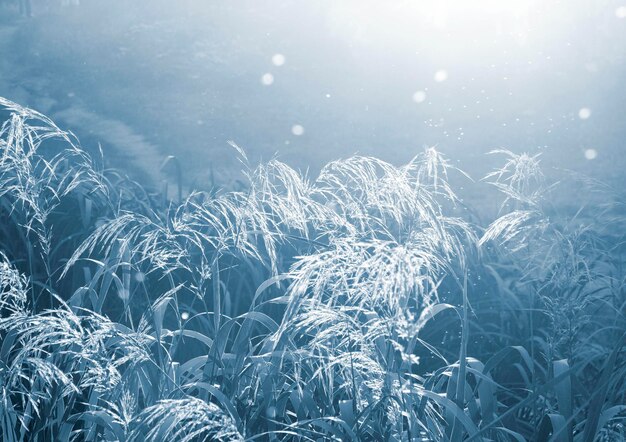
[364, 304]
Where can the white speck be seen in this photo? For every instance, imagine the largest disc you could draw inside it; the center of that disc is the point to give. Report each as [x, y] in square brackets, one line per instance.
[297, 130]
[441, 75]
[591, 154]
[140, 277]
[184, 316]
[419, 96]
[267, 79]
[278, 59]
[620, 12]
[71, 94]
[584, 113]
[327, 95]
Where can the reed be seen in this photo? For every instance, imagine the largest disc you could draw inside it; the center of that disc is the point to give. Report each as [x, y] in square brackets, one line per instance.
[365, 304]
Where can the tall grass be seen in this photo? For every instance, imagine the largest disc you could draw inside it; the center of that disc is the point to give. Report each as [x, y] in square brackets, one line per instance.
[365, 304]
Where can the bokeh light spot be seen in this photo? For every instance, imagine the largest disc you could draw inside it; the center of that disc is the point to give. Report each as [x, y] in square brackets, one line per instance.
[591, 154]
[441, 75]
[584, 113]
[297, 129]
[419, 96]
[267, 79]
[278, 59]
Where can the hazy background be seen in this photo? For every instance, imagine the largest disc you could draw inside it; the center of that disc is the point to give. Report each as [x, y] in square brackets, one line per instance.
[312, 81]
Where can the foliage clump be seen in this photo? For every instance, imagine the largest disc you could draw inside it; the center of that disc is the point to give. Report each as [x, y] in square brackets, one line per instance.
[367, 304]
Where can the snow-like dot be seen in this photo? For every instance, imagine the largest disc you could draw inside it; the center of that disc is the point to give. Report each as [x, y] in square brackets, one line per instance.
[620, 12]
[278, 59]
[591, 154]
[584, 113]
[297, 129]
[267, 79]
[419, 96]
[184, 316]
[140, 277]
[441, 75]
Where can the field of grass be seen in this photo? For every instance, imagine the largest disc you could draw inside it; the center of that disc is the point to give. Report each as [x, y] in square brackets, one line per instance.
[368, 304]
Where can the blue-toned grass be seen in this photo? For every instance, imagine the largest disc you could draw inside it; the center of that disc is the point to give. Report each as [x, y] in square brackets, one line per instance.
[366, 304]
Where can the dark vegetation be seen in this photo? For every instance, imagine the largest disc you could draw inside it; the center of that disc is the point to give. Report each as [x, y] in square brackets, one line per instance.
[367, 304]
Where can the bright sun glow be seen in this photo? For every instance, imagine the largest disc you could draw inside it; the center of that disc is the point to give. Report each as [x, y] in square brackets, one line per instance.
[442, 12]
[454, 22]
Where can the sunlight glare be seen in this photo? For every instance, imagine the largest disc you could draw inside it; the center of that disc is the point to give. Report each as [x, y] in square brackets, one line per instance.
[397, 18]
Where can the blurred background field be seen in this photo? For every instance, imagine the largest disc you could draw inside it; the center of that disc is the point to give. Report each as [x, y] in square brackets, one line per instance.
[316, 81]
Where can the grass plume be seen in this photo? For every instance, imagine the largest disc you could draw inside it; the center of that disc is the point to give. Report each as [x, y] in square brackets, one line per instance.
[363, 304]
